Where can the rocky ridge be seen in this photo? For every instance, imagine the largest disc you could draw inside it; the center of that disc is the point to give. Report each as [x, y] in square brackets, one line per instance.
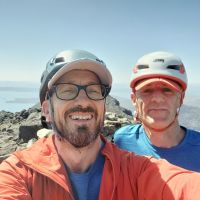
[19, 130]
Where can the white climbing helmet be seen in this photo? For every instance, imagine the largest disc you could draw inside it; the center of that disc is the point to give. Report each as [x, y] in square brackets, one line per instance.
[162, 67]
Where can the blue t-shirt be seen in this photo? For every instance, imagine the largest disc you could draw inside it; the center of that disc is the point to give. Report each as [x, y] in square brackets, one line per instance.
[86, 186]
[186, 154]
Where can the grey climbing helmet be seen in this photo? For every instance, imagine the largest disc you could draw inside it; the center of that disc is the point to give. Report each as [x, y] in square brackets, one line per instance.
[66, 61]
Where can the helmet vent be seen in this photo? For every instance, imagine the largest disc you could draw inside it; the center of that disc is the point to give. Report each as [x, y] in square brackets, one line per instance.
[59, 59]
[101, 61]
[143, 66]
[175, 67]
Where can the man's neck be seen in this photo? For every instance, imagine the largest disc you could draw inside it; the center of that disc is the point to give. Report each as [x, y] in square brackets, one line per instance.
[167, 138]
[78, 159]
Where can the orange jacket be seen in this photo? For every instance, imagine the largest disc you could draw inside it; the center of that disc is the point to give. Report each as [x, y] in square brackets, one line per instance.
[38, 173]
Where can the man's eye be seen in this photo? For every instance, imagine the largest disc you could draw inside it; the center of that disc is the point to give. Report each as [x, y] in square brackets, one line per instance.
[67, 91]
[167, 90]
[147, 91]
[94, 91]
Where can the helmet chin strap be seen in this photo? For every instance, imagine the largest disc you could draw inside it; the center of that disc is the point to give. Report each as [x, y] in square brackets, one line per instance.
[53, 123]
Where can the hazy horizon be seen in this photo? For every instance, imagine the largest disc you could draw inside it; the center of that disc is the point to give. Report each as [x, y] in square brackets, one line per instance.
[18, 95]
[193, 89]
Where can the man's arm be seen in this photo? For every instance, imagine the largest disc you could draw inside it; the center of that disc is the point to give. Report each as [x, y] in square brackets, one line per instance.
[13, 180]
[162, 180]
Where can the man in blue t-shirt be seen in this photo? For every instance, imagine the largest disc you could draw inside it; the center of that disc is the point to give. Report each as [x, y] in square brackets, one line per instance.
[158, 83]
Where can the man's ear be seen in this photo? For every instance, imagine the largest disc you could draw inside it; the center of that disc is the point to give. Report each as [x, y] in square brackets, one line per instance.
[133, 98]
[46, 110]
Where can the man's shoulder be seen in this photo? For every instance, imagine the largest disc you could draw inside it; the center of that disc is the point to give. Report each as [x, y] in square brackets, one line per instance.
[42, 148]
[115, 153]
[192, 131]
[128, 129]
[193, 136]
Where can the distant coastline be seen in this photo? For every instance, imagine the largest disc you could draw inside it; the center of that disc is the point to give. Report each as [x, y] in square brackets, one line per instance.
[18, 89]
[23, 100]
[16, 96]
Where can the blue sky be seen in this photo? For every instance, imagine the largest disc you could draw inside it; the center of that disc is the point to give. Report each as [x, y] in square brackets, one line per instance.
[118, 32]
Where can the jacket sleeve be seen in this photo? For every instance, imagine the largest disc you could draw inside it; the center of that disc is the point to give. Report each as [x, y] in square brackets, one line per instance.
[161, 180]
[13, 180]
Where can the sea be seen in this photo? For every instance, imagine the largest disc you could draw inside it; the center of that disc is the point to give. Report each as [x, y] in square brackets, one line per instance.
[17, 97]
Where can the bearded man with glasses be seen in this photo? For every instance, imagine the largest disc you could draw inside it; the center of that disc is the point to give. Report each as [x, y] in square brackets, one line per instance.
[76, 161]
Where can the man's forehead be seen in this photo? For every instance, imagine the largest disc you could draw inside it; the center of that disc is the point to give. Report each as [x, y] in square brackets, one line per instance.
[156, 84]
[79, 75]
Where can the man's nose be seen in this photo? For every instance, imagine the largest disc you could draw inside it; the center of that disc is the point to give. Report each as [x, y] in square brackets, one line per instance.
[157, 95]
[82, 97]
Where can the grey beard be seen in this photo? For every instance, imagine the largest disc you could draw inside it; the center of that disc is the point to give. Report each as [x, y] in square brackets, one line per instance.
[83, 136]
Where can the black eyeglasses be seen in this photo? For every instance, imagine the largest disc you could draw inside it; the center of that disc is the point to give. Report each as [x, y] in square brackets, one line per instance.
[69, 91]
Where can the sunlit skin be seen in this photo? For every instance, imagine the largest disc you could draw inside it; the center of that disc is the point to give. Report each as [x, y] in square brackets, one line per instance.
[157, 106]
[80, 128]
